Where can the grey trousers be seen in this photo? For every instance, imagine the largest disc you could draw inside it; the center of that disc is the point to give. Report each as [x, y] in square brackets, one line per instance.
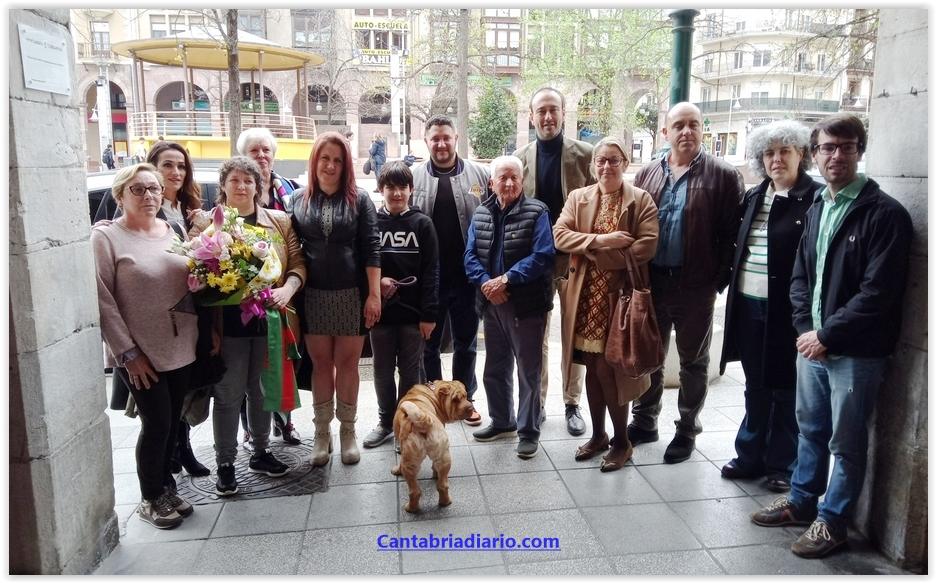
[690, 311]
[395, 347]
[244, 359]
[508, 339]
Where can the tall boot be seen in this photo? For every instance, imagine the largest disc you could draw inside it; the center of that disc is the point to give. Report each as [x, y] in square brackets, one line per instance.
[347, 414]
[187, 456]
[322, 447]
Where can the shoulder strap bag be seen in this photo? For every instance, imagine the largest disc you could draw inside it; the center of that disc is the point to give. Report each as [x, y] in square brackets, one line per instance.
[634, 346]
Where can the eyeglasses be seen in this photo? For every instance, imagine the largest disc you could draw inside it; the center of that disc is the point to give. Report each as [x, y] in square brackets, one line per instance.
[829, 149]
[614, 162]
[140, 190]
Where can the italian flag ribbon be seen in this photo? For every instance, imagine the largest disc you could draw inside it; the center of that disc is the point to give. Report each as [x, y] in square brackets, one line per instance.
[281, 394]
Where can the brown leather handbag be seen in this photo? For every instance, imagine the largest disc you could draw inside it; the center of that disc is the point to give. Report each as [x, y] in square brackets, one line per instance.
[634, 346]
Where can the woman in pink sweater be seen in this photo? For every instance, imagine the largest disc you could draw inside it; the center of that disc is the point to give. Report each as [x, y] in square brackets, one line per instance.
[149, 326]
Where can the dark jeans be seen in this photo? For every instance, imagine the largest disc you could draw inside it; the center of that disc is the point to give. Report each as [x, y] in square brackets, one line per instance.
[508, 339]
[457, 302]
[395, 347]
[160, 408]
[690, 311]
[766, 440]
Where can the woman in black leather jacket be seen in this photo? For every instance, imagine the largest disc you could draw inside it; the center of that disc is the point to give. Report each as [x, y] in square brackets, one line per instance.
[337, 224]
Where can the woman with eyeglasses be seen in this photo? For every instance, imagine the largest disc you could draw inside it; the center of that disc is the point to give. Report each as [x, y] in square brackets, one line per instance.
[150, 340]
[599, 226]
[759, 315]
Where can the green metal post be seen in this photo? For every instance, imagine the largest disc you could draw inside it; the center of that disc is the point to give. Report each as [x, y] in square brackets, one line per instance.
[683, 27]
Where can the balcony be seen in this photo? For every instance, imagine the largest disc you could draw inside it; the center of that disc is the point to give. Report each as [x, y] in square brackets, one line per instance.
[749, 105]
[96, 51]
[727, 70]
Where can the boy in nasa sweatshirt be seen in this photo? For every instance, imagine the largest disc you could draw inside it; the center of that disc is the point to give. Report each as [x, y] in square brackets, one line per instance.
[409, 266]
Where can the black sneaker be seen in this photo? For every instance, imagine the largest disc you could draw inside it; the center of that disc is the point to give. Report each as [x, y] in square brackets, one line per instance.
[178, 503]
[265, 463]
[526, 449]
[227, 481]
[490, 433]
[159, 513]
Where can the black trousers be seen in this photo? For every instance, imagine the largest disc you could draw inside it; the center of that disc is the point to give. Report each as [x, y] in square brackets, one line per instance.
[160, 408]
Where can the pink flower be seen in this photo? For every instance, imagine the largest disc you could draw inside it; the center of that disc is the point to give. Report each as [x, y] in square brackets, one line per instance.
[211, 246]
[218, 217]
[194, 284]
[260, 249]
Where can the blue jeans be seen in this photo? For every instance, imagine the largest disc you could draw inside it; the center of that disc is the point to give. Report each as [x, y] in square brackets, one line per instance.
[457, 303]
[833, 402]
[507, 339]
[398, 346]
[767, 438]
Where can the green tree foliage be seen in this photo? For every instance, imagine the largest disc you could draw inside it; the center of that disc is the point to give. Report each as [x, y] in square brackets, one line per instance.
[607, 52]
[493, 123]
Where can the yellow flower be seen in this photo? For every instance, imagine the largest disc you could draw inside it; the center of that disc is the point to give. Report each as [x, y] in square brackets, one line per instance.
[226, 266]
[229, 282]
[191, 263]
[213, 280]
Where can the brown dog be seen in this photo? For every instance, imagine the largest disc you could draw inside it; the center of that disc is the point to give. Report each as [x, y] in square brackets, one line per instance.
[419, 425]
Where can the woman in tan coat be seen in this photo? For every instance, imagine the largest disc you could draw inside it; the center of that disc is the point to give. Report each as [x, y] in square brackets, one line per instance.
[598, 226]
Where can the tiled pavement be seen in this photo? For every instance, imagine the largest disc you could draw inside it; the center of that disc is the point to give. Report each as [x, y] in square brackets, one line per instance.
[648, 518]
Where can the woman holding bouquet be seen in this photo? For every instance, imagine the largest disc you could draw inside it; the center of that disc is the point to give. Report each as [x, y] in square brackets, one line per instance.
[337, 223]
[149, 340]
[244, 346]
[276, 191]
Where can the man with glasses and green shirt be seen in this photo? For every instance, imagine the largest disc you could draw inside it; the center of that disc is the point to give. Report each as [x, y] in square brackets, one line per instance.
[847, 290]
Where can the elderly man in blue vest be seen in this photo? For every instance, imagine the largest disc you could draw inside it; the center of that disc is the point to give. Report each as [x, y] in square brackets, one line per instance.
[509, 257]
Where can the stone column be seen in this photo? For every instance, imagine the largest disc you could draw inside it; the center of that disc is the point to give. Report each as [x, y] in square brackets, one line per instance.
[61, 518]
[893, 507]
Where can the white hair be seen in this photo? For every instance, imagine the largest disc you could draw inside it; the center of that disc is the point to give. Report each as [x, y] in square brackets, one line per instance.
[496, 163]
[251, 136]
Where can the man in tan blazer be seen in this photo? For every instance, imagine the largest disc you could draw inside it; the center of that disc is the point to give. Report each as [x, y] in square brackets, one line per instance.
[554, 166]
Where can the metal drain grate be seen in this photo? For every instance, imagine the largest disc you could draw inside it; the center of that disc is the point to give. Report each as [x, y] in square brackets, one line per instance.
[302, 479]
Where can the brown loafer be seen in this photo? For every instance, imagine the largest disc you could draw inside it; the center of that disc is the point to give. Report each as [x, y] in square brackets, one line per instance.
[611, 464]
[591, 449]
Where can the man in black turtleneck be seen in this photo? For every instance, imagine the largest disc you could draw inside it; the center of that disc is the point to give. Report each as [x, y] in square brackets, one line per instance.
[449, 189]
[554, 166]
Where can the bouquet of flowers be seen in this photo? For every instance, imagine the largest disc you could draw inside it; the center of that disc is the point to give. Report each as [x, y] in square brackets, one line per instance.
[232, 263]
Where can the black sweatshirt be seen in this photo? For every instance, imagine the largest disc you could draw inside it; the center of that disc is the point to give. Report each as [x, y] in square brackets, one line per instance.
[408, 246]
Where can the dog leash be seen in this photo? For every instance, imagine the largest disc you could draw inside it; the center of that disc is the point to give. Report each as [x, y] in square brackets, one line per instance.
[405, 282]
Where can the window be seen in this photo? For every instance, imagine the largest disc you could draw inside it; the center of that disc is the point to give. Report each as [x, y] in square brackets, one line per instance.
[709, 26]
[398, 40]
[801, 93]
[381, 39]
[784, 92]
[706, 95]
[739, 26]
[820, 62]
[738, 59]
[735, 94]
[312, 27]
[362, 12]
[709, 63]
[251, 21]
[398, 13]
[802, 62]
[761, 58]
[820, 95]
[502, 12]
[381, 12]
[100, 37]
[759, 97]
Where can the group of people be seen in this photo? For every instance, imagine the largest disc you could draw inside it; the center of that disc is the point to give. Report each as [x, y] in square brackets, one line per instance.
[814, 277]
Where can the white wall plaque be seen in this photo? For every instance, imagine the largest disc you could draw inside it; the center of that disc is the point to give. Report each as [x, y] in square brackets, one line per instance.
[45, 61]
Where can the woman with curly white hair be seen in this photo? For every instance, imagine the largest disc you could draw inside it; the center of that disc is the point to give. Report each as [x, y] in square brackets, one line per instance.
[759, 316]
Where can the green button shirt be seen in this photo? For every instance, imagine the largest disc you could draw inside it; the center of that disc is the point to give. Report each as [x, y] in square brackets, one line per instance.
[832, 214]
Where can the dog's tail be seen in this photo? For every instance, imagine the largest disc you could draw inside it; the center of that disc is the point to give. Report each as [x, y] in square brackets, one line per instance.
[421, 422]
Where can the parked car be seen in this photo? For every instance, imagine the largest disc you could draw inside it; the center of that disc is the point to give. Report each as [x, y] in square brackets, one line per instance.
[102, 205]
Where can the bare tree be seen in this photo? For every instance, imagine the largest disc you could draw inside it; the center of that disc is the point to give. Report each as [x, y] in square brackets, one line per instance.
[229, 32]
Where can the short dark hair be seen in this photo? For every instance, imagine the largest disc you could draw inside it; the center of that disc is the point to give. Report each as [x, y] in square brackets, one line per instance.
[439, 120]
[395, 174]
[840, 125]
[241, 164]
[541, 89]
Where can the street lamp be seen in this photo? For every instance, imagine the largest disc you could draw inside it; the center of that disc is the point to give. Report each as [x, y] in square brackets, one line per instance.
[318, 105]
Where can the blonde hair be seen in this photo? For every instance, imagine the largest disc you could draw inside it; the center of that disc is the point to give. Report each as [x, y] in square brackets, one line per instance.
[128, 173]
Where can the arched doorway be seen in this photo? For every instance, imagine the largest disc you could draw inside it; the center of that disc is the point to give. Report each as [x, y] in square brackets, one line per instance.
[250, 99]
[99, 132]
[326, 106]
[171, 118]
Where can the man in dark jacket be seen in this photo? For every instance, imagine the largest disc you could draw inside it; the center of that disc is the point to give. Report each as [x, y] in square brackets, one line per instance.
[509, 257]
[848, 285]
[699, 198]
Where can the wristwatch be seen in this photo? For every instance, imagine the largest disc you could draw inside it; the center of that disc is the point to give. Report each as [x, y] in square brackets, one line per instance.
[504, 279]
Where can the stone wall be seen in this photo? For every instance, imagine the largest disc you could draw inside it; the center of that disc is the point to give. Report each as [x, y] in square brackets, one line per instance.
[61, 518]
[893, 508]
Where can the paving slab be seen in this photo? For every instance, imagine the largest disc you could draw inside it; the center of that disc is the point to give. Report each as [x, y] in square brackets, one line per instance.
[679, 563]
[525, 492]
[568, 527]
[639, 528]
[268, 554]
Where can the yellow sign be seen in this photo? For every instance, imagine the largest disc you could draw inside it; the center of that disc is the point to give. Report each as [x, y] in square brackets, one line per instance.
[375, 52]
[380, 25]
